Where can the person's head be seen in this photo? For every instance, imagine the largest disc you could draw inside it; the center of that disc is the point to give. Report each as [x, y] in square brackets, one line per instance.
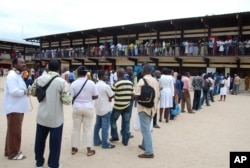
[129, 70]
[187, 74]
[82, 71]
[175, 75]
[179, 77]
[205, 76]
[19, 64]
[209, 75]
[146, 69]
[120, 73]
[166, 71]
[157, 74]
[54, 65]
[102, 75]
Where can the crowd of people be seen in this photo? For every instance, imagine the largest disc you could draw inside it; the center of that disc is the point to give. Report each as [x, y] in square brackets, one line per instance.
[169, 47]
[105, 97]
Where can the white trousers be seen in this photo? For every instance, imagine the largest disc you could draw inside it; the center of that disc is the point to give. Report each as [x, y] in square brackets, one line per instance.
[82, 117]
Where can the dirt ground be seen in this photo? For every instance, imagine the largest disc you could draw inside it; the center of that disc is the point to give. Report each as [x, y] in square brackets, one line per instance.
[201, 140]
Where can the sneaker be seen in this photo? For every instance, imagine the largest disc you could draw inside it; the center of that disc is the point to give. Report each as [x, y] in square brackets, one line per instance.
[111, 146]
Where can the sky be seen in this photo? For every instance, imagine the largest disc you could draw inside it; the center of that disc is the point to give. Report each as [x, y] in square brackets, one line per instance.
[20, 19]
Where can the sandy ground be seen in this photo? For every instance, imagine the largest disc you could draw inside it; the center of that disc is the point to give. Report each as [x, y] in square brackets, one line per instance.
[201, 140]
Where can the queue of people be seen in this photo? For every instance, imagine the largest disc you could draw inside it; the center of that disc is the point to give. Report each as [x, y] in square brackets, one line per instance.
[91, 100]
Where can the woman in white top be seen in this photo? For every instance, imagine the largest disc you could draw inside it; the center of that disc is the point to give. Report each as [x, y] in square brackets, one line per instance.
[167, 93]
[83, 110]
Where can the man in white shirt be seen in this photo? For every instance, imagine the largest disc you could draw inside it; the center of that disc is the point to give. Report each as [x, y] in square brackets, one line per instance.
[15, 104]
[103, 110]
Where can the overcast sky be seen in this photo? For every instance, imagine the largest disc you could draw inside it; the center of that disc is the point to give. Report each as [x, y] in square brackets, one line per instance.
[21, 19]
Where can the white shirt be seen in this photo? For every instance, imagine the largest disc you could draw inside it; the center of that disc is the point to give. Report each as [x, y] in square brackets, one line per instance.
[84, 99]
[111, 80]
[102, 104]
[14, 97]
[115, 78]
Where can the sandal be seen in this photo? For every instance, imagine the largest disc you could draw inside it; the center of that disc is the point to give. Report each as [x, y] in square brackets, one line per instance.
[74, 150]
[91, 153]
[19, 156]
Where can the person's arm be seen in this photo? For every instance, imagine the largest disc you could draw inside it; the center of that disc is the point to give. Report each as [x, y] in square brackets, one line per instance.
[66, 97]
[14, 89]
[110, 93]
[95, 93]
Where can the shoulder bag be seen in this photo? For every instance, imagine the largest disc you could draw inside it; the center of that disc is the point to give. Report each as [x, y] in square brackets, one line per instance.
[79, 92]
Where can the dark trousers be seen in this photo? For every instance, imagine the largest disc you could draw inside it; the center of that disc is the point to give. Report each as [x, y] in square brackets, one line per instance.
[155, 119]
[205, 95]
[54, 145]
[196, 100]
[211, 95]
[14, 134]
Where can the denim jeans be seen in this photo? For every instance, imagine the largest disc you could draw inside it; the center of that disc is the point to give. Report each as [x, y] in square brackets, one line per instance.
[130, 111]
[205, 95]
[145, 121]
[235, 88]
[216, 89]
[54, 145]
[126, 115]
[102, 122]
[201, 99]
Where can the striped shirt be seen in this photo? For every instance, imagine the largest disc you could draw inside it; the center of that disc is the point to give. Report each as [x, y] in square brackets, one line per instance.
[123, 90]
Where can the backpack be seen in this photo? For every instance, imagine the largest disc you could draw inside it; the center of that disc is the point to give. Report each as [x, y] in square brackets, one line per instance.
[207, 84]
[147, 96]
[41, 90]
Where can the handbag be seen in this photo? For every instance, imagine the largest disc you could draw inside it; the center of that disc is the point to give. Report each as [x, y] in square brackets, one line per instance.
[176, 108]
[41, 90]
[79, 92]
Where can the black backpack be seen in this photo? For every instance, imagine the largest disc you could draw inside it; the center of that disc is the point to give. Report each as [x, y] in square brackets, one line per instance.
[147, 96]
[41, 90]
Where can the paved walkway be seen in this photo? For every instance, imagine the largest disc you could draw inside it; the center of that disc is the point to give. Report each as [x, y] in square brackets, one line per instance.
[201, 140]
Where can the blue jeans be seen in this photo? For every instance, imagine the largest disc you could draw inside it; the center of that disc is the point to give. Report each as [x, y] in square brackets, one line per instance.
[130, 110]
[126, 115]
[145, 121]
[54, 145]
[216, 89]
[205, 95]
[236, 88]
[102, 122]
[201, 99]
